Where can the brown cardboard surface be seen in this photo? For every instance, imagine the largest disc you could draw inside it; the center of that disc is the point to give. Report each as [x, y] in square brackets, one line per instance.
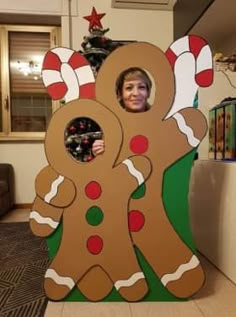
[167, 142]
[96, 251]
[94, 183]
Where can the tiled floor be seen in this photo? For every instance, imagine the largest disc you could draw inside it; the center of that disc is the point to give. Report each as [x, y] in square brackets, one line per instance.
[216, 299]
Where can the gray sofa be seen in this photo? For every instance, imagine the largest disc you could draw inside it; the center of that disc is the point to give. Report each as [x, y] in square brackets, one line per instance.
[7, 188]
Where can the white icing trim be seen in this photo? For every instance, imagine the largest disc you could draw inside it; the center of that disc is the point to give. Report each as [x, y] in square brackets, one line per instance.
[60, 280]
[192, 140]
[54, 187]
[133, 171]
[43, 220]
[130, 281]
[192, 264]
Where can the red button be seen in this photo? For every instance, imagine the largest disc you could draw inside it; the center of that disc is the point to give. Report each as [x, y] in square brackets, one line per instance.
[136, 220]
[93, 190]
[94, 244]
[139, 144]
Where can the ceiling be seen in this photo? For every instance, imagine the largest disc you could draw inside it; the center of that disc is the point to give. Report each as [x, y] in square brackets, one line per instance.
[144, 4]
[218, 26]
[216, 19]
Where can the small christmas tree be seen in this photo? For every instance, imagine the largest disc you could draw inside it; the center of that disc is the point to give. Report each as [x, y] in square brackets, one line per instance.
[96, 47]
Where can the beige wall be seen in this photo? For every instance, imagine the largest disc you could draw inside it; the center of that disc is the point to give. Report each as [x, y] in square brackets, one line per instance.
[212, 190]
[27, 160]
[213, 216]
[143, 25]
[54, 7]
[126, 24]
[229, 45]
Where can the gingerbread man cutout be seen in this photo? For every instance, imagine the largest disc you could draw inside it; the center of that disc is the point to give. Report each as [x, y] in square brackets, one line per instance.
[83, 190]
[68, 75]
[163, 141]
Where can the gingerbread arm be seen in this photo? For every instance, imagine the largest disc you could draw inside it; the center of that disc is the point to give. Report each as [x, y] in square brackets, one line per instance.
[138, 167]
[54, 189]
[44, 218]
[182, 132]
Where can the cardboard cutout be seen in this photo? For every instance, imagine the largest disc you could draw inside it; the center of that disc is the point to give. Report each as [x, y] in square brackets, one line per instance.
[103, 228]
[84, 189]
[168, 139]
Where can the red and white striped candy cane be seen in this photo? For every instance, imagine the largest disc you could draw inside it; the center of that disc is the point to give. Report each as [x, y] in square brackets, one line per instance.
[67, 74]
[191, 60]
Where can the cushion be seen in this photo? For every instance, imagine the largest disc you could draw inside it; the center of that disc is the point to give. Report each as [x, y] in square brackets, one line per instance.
[3, 187]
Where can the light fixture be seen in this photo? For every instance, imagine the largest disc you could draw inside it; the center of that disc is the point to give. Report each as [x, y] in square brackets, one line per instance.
[30, 68]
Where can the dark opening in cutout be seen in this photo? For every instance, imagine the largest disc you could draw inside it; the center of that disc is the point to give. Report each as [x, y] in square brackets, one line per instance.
[133, 89]
[80, 134]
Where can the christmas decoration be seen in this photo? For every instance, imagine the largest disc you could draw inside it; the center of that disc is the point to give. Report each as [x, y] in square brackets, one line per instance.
[96, 46]
[94, 19]
[225, 63]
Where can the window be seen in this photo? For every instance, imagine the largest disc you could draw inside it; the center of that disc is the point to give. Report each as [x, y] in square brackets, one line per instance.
[25, 106]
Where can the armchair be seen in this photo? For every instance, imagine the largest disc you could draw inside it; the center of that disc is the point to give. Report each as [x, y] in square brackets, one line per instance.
[7, 188]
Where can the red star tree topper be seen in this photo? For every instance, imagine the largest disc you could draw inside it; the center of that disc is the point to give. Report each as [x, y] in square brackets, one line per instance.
[94, 19]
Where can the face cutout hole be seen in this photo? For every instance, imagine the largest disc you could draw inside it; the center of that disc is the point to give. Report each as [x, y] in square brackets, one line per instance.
[80, 134]
[135, 90]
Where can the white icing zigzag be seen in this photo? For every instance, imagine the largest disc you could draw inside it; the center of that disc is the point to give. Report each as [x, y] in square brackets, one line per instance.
[130, 281]
[192, 264]
[54, 187]
[192, 140]
[60, 280]
[133, 171]
[43, 220]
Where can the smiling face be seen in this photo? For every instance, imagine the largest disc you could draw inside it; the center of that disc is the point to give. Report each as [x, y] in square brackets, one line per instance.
[133, 89]
[134, 95]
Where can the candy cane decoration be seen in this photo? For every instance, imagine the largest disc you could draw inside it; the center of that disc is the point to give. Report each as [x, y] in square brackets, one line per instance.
[67, 74]
[191, 60]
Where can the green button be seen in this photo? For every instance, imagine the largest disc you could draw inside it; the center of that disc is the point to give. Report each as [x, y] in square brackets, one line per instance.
[94, 216]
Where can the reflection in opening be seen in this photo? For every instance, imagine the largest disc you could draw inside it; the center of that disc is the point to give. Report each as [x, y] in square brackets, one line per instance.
[79, 137]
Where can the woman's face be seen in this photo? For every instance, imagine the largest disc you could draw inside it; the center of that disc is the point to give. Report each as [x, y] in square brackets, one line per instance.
[134, 95]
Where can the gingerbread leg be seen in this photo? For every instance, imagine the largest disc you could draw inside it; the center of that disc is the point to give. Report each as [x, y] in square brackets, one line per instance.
[126, 274]
[71, 261]
[121, 271]
[174, 263]
[62, 276]
[95, 284]
[132, 287]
